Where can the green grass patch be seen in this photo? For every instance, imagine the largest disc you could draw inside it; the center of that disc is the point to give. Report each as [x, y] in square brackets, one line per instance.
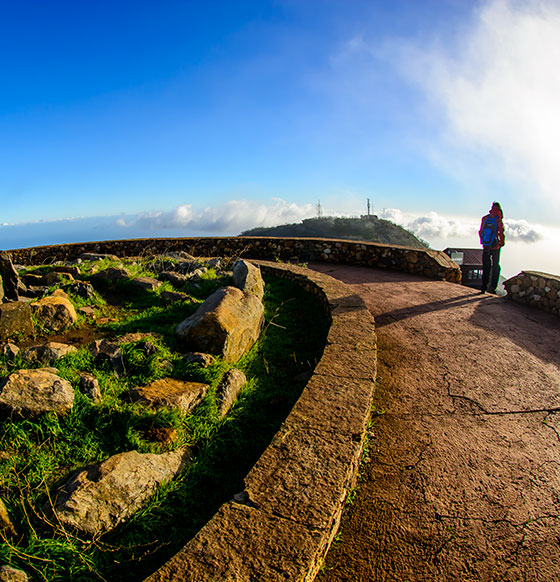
[36, 454]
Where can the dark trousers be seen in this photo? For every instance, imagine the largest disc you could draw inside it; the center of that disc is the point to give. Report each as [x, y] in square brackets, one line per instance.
[490, 269]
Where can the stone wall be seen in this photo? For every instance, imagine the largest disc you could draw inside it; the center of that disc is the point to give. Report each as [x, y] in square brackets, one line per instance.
[281, 525]
[425, 262]
[537, 289]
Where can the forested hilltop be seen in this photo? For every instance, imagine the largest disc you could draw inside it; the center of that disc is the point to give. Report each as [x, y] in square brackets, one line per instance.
[370, 229]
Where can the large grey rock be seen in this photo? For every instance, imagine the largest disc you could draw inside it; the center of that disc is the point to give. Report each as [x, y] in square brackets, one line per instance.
[47, 353]
[30, 392]
[9, 277]
[228, 389]
[248, 278]
[203, 360]
[10, 574]
[228, 323]
[81, 289]
[53, 277]
[15, 319]
[9, 351]
[176, 279]
[98, 498]
[170, 393]
[55, 312]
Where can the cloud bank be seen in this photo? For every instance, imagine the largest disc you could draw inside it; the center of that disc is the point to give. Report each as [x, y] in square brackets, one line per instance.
[230, 218]
[500, 89]
[434, 226]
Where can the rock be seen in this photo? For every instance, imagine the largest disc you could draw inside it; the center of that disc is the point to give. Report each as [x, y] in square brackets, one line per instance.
[110, 275]
[228, 323]
[87, 311]
[215, 263]
[103, 349]
[32, 279]
[248, 278]
[35, 292]
[203, 360]
[9, 574]
[98, 257]
[15, 319]
[164, 435]
[47, 353]
[6, 525]
[73, 271]
[55, 312]
[170, 393]
[89, 386]
[81, 289]
[100, 497]
[30, 392]
[146, 283]
[172, 296]
[176, 279]
[53, 277]
[138, 336]
[9, 351]
[228, 389]
[9, 277]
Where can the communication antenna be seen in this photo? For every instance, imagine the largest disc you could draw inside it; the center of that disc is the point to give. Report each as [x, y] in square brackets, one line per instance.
[319, 209]
[368, 208]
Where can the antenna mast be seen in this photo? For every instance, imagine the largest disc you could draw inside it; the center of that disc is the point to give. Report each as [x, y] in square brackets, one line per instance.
[319, 209]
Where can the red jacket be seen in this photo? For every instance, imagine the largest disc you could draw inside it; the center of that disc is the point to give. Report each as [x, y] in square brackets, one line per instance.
[500, 239]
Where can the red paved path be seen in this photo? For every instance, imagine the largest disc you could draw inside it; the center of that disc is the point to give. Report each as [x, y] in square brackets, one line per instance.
[463, 477]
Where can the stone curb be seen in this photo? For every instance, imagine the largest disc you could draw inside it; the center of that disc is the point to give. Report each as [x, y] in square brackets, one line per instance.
[295, 493]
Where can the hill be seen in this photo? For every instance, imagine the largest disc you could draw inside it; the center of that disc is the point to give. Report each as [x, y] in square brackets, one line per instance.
[370, 229]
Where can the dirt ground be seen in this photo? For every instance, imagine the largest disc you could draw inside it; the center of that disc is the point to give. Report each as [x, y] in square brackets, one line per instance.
[462, 480]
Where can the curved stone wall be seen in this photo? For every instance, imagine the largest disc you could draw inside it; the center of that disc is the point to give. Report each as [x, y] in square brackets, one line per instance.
[536, 289]
[281, 526]
[426, 262]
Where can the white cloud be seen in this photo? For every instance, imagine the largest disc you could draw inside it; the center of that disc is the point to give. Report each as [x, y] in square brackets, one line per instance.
[232, 217]
[434, 226]
[500, 91]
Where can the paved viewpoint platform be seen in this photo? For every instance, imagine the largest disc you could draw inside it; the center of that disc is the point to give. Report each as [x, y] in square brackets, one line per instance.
[462, 481]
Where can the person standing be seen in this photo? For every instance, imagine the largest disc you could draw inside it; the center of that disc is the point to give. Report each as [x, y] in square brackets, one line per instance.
[492, 239]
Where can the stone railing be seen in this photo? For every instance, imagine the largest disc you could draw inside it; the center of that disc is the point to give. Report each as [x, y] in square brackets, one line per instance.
[537, 289]
[281, 525]
[425, 262]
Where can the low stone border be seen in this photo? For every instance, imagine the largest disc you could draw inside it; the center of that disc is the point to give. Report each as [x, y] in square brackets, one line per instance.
[283, 523]
[537, 289]
[425, 262]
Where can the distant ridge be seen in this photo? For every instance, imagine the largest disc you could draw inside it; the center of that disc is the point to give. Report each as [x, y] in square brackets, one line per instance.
[366, 228]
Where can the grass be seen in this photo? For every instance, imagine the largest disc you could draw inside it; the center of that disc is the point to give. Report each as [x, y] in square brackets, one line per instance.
[36, 454]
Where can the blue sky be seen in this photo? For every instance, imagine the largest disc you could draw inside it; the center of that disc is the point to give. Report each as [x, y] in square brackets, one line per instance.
[128, 118]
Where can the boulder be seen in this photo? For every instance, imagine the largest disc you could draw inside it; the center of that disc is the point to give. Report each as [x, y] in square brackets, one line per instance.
[176, 279]
[71, 270]
[110, 275]
[228, 389]
[55, 312]
[47, 353]
[98, 257]
[215, 263]
[248, 278]
[89, 386]
[9, 277]
[146, 283]
[106, 350]
[10, 574]
[81, 289]
[170, 393]
[15, 319]
[30, 392]
[53, 277]
[98, 498]
[228, 323]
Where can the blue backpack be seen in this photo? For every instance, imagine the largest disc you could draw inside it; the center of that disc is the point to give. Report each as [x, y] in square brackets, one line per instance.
[489, 232]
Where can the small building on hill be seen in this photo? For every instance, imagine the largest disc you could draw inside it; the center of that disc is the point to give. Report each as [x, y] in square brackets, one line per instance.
[470, 262]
